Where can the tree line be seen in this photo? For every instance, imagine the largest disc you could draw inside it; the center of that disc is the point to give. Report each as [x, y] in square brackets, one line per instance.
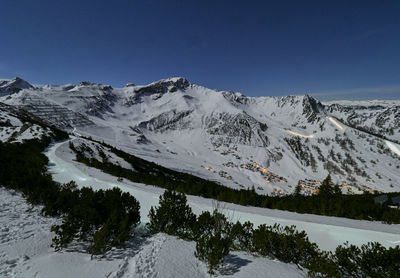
[104, 218]
[362, 207]
[107, 218]
[215, 237]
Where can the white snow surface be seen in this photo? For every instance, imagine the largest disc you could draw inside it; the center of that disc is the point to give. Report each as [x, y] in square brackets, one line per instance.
[198, 130]
[7, 86]
[16, 131]
[327, 232]
[25, 236]
[194, 129]
[393, 147]
[364, 102]
[25, 252]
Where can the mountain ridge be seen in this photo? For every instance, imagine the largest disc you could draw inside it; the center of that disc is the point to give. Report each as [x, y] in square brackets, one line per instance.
[271, 143]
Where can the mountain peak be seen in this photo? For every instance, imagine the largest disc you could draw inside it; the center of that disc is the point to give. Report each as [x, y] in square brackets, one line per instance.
[180, 82]
[9, 86]
[174, 79]
[166, 85]
[314, 104]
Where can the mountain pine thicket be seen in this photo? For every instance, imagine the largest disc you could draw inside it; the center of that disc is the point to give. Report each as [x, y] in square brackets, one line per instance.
[329, 202]
[215, 237]
[107, 218]
[104, 218]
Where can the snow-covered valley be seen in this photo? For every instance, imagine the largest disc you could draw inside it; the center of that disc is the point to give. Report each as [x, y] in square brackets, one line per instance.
[25, 252]
[26, 238]
[327, 232]
[269, 143]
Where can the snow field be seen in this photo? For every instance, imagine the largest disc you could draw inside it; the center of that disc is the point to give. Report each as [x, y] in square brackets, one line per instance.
[25, 252]
[327, 232]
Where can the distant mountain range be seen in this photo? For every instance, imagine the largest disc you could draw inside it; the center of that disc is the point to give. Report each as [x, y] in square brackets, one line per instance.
[271, 143]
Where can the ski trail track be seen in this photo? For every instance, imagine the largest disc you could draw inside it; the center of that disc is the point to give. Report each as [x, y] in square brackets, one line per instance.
[142, 265]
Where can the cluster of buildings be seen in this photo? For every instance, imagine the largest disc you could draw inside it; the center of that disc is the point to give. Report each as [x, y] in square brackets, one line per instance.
[311, 187]
[356, 189]
[278, 192]
[221, 173]
[266, 174]
[224, 174]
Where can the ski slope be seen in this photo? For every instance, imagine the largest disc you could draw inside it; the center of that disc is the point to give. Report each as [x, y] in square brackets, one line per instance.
[327, 232]
[393, 147]
[299, 134]
[336, 124]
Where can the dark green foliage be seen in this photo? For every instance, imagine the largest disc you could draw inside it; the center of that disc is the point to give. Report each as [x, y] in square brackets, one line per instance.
[328, 189]
[210, 224]
[241, 236]
[23, 168]
[284, 243]
[297, 190]
[173, 215]
[212, 249]
[211, 231]
[322, 265]
[347, 258]
[213, 238]
[336, 204]
[104, 218]
[101, 239]
[371, 260]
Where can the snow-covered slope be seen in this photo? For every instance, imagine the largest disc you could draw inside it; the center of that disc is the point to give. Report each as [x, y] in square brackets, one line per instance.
[377, 117]
[327, 232]
[8, 86]
[13, 129]
[270, 143]
[25, 251]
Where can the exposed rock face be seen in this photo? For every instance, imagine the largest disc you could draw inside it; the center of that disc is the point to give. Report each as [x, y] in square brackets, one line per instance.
[50, 112]
[165, 86]
[227, 129]
[9, 86]
[377, 119]
[312, 108]
[225, 135]
[171, 120]
[58, 116]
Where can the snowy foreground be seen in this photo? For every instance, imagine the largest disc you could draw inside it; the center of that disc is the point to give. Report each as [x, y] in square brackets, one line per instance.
[25, 251]
[327, 232]
[25, 236]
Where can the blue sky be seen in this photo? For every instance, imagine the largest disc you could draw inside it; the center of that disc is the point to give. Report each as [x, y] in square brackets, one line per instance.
[329, 49]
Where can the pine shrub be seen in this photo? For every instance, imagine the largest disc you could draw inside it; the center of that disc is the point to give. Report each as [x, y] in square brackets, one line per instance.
[173, 215]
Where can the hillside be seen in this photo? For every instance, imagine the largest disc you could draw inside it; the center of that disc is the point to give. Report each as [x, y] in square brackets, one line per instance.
[270, 143]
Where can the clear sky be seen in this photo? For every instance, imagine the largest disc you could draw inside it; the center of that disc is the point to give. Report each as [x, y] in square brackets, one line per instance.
[330, 49]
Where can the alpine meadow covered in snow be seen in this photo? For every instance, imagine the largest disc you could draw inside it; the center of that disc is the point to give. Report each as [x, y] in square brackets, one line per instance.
[176, 139]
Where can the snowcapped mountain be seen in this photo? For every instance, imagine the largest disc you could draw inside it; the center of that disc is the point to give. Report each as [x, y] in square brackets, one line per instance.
[270, 143]
[381, 118]
[13, 127]
[8, 86]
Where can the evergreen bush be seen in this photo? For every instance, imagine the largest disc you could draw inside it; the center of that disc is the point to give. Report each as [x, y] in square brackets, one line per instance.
[173, 215]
